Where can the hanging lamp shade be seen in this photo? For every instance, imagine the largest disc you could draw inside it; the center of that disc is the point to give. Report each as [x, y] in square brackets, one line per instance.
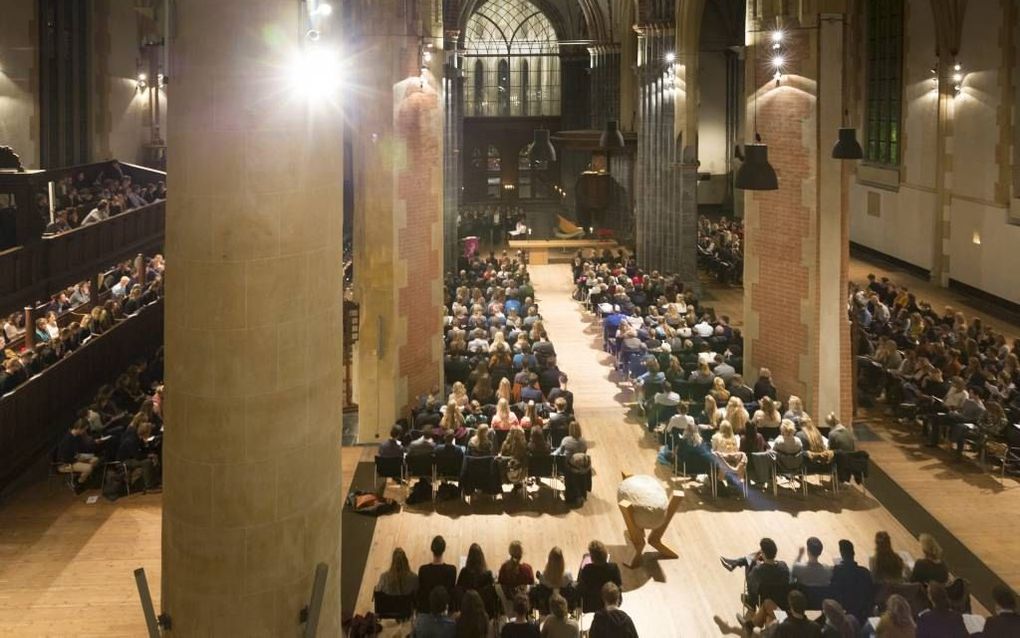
[847, 147]
[611, 138]
[756, 174]
[541, 149]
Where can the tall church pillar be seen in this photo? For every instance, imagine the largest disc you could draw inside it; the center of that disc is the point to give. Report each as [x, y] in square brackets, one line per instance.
[399, 199]
[253, 327]
[605, 84]
[797, 237]
[666, 241]
[453, 178]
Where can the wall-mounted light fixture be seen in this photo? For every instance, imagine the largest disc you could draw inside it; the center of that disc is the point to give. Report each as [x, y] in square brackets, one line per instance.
[779, 58]
[958, 77]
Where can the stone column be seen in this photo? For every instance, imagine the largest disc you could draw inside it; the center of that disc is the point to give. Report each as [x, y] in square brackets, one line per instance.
[797, 237]
[453, 179]
[666, 236]
[253, 328]
[398, 225]
[605, 84]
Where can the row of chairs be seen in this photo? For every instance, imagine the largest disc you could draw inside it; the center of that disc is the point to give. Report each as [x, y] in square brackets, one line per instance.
[763, 467]
[473, 472]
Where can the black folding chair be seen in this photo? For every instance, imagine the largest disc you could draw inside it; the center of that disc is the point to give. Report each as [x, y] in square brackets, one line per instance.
[420, 466]
[389, 467]
[790, 466]
[399, 608]
[540, 467]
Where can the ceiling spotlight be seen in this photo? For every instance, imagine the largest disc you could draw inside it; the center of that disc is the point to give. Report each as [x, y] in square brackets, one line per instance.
[777, 61]
[142, 77]
[777, 36]
[670, 57]
[956, 67]
[324, 9]
[427, 56]
[957, 77]
[315, 72]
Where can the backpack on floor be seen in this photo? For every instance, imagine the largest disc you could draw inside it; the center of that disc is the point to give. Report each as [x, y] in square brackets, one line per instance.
[370, 504]
[420, 493]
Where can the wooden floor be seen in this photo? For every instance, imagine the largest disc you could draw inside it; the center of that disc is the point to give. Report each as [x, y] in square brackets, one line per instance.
[65, 566]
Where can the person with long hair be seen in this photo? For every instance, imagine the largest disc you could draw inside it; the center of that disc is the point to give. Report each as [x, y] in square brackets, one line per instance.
[574, 442]
[712, 415]
[459, 395]
[838, 624]
[886, 565]
[504, 419]
[737, 416]
[472, 622]
[767, 417]
[794, 409]
[481, 443]
[719, 391]
[726, 447]
[483, 391]
[505, 390]
[815, 445]
[538, 445]
[787, 441]
[897, 621]
[475, 575]
[453, 420]
[398, 580]
[554, 574]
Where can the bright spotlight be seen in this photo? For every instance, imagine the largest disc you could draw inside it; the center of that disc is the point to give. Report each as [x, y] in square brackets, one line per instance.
[956, 67]
[315, 72]
[777, 61]
[324, 9]
[670, 57]
[957, 77]
[777, 36]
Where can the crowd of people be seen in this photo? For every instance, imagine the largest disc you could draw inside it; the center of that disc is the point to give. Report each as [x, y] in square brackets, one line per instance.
[956, 377]
[892, 597]
[72, 317]
[683, 360]
[506, 398]
[123, 426]
[721, 247]
[82, 200]
[491, 222]
[514, 602]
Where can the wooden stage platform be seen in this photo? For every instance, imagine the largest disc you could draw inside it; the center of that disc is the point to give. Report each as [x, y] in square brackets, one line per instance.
[65, 565]
[544, 251]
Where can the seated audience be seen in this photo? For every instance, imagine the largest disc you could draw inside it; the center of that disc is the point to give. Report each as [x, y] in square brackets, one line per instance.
[886, 565]
[596, 573]
[472, 621]
[940, 620]
[557, 624]
[851, 585]
[811, 572]
[796, 624]
[897, 621]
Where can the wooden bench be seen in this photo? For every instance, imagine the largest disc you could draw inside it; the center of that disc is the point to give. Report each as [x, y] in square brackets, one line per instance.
[538, 250]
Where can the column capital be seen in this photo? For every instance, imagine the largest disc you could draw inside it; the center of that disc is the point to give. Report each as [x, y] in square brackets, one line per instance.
[652, 29]
[604, 48]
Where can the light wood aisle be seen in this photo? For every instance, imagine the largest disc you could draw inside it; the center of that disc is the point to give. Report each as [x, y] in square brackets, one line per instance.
[667, 597]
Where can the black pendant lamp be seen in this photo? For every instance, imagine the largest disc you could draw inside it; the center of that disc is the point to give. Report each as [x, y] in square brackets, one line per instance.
[611, 138]
[541, 149]
[756, 174]
[847, 147]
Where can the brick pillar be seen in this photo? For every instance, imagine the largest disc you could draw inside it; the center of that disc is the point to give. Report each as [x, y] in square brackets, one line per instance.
[453, 176]
[399, 201]
[797, 238]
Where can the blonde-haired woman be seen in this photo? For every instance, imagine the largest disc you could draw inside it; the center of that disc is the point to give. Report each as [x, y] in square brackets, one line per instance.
[514, 455]
[767, 416]
[712, 415]
[815, 445]
[794, 409]
[736, 415]
[719, 391]
[930, 568]
[726, 448]
[504, 419]
[459, 395]
[787, 441]
[505, 390]
[499, 344]
[453, 419]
